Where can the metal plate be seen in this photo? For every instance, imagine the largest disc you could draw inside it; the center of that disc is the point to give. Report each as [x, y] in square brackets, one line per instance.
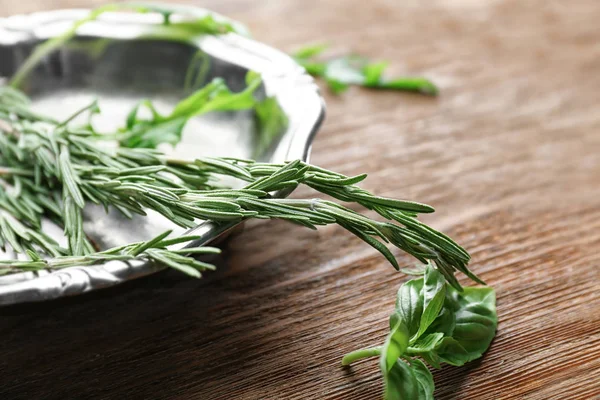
[113, 60]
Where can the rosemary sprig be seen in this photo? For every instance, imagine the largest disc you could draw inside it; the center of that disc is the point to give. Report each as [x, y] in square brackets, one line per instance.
[154, 250]
[59, 168]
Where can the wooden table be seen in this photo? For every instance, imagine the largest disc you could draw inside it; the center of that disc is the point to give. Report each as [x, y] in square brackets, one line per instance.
[509, 154]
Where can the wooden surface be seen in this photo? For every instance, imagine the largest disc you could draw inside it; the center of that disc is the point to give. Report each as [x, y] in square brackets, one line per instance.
[509, 155]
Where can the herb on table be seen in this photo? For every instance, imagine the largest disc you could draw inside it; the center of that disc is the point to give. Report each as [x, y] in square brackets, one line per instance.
[342, 72]
[434, 322]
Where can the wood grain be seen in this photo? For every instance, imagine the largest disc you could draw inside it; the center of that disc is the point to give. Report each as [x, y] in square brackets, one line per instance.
[509, 154]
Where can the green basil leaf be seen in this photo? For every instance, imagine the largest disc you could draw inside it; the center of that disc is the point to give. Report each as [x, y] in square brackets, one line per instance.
[425, 343]
[409, 304]
[395, 344]
[400, 382]
[450, 351]
[432, 359]
[468, 321]
[445, 321]
[424, 378]
[434, 294]
[310, 51]
[476, 319]
[425, 348]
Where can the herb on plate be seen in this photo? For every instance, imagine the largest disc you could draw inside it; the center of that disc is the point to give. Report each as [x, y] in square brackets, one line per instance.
[58, 168]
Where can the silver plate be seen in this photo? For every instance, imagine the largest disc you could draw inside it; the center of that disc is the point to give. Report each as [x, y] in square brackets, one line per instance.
[113, 59]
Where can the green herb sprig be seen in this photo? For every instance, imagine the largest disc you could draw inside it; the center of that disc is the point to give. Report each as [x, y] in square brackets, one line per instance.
[342, 72]
[60, 168]
[434, 322]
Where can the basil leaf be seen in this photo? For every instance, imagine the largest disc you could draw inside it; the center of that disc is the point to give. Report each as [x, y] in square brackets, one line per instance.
[310, 51]
[409, 304]
[432, 359]
[445, 321]
[450, 351]
[395, 344]
[400, 382]
[434, 294]
[425, 347]
[468, 321]
[425, 343]
[424, 378]
[476, 319]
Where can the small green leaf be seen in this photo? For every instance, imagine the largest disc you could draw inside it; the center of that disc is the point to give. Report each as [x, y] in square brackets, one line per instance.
[409, 304]
[468, 320]
[310, 51]
[314, 68]
[424, 378]
[376, 244]
[434, 293]
[215, 96]
[450, 351]
[425, 343]
[69, 177]
[476, 319]
[194, 102]
[149, 244]
[400, 382]
[373, 72]
[225, 100]
[150, 135]
[445, 321]
[395, 344]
